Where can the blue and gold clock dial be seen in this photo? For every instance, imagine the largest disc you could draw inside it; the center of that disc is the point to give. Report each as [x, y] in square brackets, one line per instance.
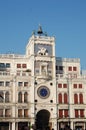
[43, 92]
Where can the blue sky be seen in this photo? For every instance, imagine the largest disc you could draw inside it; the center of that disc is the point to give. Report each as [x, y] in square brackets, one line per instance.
[64, 19]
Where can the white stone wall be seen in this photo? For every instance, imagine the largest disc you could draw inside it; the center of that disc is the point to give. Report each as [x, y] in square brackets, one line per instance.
[41, 80]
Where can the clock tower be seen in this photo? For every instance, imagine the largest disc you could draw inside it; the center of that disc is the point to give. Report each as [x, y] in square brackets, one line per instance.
[41, 53]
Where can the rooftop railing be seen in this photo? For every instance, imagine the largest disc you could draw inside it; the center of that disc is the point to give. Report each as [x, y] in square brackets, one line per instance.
[67, 59]
[11, 56]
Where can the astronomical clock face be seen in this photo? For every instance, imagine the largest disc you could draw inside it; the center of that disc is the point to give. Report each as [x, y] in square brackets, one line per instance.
[43, 92]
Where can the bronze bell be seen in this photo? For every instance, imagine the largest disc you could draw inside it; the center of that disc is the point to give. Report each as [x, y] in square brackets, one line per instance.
[40, 30]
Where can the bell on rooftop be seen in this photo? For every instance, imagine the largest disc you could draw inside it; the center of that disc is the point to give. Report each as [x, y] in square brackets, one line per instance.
[40, 30]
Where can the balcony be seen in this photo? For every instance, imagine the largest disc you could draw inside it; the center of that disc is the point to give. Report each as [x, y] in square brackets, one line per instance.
[44, 75]
[4, 73]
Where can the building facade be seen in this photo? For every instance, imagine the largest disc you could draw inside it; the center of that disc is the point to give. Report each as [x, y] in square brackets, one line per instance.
[41, 91]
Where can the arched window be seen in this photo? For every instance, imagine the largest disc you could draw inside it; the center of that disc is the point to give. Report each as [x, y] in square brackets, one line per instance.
[1, 96]
[60, 98]
[65, 98]
[7, 97]
[19, 97]
[80, 98]
[75, 98]
[25, 97]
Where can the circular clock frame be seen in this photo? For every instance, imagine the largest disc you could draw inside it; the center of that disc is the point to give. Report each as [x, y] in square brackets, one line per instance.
[43, 92]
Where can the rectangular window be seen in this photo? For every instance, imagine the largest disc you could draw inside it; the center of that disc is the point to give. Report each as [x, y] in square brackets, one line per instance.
[25, 84]
[76, 113]
[74, 68]
[59, 85]
[20, 84]
[69, 68]
[1, 83]
[1, 112]
[75, 75]
[60, 113]
[65, 113]
[80, 85]
[18, 73]
[7, 113]
[64, 85]
[19, 112]
[24, 66]
[7, 65]
[7, 83]
[25, 112]
[2, 65]
[23, 73]
[61, 68]
[74, 85]
[18, 65]
[81, 113]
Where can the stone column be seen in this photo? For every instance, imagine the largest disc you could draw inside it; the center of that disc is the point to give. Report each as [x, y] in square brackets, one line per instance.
[23, 97]
[16, 126]
[71, 125]
[13, 126]
[10, 126]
